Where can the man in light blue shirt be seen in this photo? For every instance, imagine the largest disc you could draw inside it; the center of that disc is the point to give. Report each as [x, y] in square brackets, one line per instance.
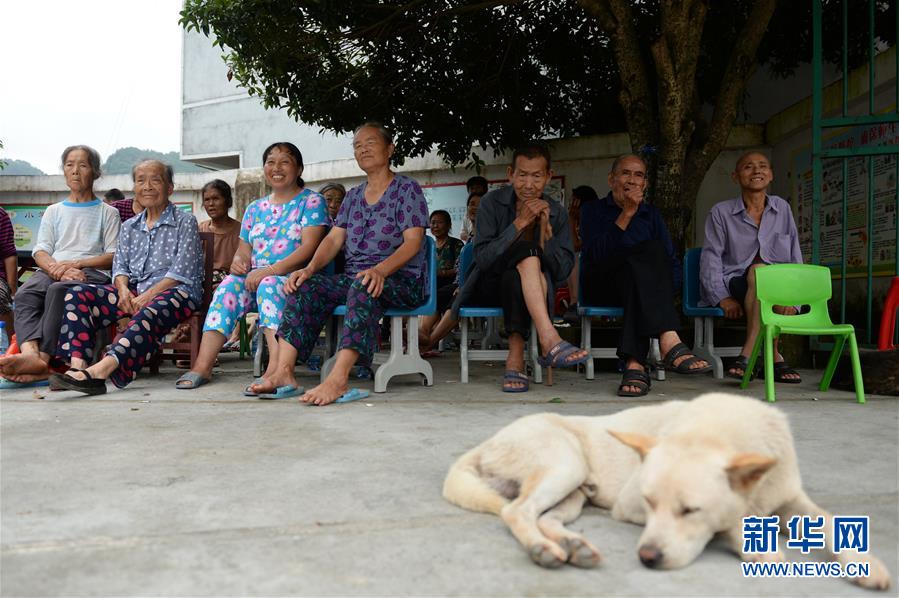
[742, 234]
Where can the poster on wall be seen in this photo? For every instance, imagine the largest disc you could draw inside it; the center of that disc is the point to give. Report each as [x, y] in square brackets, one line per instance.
[882, 237]
[452, 197]
[26, 220]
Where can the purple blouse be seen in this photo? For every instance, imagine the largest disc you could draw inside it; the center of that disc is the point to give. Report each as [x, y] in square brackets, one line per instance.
[375, 232]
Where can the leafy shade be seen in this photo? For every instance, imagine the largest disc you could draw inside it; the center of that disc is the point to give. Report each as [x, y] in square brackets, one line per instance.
[441, 75]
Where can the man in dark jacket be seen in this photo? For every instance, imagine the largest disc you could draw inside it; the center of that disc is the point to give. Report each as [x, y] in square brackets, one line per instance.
[522, 248]
[629, 261]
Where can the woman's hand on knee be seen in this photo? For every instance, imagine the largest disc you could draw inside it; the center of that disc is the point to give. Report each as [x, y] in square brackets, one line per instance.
[373, 281]
[296, 280]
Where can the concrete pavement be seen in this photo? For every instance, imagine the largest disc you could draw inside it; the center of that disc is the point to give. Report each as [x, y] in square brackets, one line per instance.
[153, 491]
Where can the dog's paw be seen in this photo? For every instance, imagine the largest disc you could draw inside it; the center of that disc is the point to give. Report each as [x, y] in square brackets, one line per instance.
[581, 553]
[548, 555]
[878, 576]
[765, 557]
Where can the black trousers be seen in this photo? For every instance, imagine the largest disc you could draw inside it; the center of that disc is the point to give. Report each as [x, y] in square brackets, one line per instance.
[639, 279]
[502, 285]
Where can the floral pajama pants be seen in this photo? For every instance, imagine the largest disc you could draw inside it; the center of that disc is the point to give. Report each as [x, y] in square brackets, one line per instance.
[232, 300]
[307, 311]
[89, 308]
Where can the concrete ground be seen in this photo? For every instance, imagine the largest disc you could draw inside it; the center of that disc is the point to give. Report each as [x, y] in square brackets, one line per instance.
[153, 491]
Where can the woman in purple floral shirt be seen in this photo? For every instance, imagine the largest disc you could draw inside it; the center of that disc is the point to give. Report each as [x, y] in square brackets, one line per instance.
[380, 226]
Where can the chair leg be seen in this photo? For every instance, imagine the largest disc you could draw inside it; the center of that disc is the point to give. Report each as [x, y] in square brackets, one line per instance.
[655, 353]
[769, 364]
[708, 345]
[856, 370]
[401, 362]
[534, 350]
[753, 358]
[832, 362]
[586, 340]
[463, 351]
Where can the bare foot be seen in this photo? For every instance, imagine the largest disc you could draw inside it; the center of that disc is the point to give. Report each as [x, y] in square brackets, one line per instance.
[267, 385]
[26, 377]
[24, 363]
[327, 392]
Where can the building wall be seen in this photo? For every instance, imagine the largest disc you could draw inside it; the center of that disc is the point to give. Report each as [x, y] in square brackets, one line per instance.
[222, 126]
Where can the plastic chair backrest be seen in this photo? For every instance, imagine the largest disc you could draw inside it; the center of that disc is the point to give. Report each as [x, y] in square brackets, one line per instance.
[466, 257]
[691, 277]
[794, 284]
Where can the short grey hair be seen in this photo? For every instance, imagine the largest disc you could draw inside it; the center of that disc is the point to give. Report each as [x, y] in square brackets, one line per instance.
[335, 186]
[382, 130]
[169, 173]
[93, 157]
[624, 157]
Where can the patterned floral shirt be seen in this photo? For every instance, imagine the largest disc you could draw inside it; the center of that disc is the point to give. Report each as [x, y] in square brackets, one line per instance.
[375, 232]
[274, 231]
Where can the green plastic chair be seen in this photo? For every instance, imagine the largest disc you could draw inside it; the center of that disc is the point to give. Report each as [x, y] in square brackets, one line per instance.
[799, 284]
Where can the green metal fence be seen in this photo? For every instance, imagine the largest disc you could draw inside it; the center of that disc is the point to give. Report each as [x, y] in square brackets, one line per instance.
[822, 124]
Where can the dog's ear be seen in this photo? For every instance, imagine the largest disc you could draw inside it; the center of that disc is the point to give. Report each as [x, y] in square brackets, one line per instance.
[640, 443]
[745, 469]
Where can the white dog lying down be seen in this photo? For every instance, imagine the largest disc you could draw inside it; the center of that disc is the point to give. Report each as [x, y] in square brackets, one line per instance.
[687, 470]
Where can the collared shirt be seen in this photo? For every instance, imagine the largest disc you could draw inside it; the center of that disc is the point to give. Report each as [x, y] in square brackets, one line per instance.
[125, 208]
[733, 240]
[7, 240]
[171, 249]
[601, 238]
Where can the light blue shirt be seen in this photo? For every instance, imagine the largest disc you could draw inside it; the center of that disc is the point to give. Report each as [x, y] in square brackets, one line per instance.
[171, 249]
[733, 241]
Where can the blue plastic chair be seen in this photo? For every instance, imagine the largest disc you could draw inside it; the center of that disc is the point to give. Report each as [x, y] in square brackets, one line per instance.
[466, 258]
[399, 361]
[587, 313]
[703, 317]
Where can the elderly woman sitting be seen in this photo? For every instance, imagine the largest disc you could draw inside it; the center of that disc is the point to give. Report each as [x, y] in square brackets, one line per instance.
[157, 274]
[75, 243]
[382, 224]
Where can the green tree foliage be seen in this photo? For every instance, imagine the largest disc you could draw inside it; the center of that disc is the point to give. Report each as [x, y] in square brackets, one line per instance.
[19, 167]
[445, 75]
[121, 161]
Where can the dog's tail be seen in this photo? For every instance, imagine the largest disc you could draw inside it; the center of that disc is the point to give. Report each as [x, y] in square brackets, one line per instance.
[465, 487]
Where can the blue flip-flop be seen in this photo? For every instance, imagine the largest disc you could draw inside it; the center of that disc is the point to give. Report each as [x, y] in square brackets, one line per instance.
[354, 394]
[512, 377]
[249, 393]
[10, 385]
[283, 392]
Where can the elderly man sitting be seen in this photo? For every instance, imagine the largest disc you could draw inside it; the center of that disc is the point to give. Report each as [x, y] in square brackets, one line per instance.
[742, 234]
[157, 275]
[629, 261]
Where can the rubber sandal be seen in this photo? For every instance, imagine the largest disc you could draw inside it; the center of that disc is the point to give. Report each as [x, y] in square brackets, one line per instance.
[781, 370]
[10, 385]
[557, 357]
[353, 394]
[681, 350]
[638, 378]
[89, 386]
[741, 363]
[283, 392]
[249, 393]
[193, 379]
[510, 377]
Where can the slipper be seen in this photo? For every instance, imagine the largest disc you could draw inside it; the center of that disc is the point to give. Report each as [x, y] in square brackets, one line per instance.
[740, 363]
[192, 379]
[634, 377]
[10, 385]
[558, 356]
[353, 394]
[249, 393]
[89, 386]
[511, 377]
[681, 350]
[781, 371]
[283, 392]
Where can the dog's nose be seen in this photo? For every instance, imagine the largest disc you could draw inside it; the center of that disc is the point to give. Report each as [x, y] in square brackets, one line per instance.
[650, 556]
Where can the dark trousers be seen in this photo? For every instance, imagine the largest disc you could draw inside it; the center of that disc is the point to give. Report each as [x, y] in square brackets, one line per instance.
[639, 279]
[39, 307]
[502, 284]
